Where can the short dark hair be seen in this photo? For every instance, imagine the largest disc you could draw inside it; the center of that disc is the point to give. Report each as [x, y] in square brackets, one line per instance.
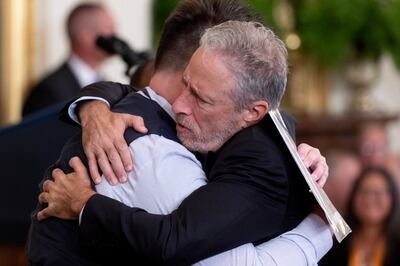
[183, 28]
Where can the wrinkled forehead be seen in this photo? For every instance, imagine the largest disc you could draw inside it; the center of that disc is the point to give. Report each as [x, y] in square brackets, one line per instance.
[209, 79]
[209, 66]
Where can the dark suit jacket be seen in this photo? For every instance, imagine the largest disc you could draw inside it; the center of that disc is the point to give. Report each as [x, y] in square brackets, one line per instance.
[27, 149]
[59, 86]
[255, 193]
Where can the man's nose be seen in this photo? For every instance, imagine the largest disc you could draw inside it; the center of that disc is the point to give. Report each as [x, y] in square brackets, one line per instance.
[182, 104]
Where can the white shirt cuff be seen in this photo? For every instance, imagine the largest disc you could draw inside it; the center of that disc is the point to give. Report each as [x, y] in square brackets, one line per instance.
[72, 107]
[80, 214]
[317, 232]
[306, 244]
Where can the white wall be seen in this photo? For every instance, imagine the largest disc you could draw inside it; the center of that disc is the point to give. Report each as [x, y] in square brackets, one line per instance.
[133, 23]
[384, 92]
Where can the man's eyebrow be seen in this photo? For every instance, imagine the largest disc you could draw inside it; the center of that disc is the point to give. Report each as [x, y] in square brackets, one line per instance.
[188, 86]
[193, 90]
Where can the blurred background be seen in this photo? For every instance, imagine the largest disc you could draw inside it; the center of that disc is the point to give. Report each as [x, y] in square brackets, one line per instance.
[344, 86]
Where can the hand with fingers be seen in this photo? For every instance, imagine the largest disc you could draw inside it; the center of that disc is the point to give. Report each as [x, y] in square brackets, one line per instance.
[103, 140]
[67, 194]
[315, 162]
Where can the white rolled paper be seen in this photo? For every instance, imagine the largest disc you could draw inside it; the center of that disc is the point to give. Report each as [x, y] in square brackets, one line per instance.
[339, 226]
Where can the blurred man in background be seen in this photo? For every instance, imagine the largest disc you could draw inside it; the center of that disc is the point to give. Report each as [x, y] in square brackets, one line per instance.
[344, 168]
[373, 148]
[84, 24]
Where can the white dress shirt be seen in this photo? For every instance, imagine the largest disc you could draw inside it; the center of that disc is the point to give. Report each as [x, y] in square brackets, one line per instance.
[84, 73]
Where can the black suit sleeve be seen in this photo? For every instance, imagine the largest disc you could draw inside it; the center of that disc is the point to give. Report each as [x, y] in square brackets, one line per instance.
[245, 202]
[110, 91]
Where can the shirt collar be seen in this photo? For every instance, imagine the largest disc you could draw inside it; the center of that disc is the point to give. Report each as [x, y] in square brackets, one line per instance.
[152, 95]
[82, 71]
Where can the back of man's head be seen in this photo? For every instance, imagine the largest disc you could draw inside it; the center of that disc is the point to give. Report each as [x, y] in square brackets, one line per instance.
[184, 27]
[88, 17]
[85, 23]
[81, 15]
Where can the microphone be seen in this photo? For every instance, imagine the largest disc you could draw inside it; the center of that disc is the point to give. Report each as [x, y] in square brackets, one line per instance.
[114, 45]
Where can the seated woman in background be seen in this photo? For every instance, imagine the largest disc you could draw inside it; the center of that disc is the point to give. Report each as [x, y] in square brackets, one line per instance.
[372, 213]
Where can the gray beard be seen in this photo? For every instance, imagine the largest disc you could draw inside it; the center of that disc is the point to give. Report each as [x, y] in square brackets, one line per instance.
[211, 141]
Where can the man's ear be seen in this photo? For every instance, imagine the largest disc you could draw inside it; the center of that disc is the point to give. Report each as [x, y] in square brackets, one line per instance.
[255, 112]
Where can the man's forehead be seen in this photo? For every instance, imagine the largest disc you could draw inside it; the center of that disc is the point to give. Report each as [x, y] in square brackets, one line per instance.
[207, 76]
[207, 64]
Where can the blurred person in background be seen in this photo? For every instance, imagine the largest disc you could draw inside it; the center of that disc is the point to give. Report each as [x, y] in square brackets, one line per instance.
[84, 24]
[345, 167]
[373, 146]
[373, 215]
